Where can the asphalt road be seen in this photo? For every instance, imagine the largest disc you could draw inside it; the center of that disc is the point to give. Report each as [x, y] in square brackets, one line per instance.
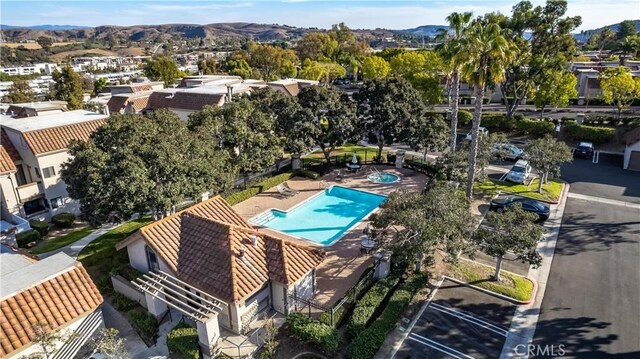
[592, 300]
[460, 322]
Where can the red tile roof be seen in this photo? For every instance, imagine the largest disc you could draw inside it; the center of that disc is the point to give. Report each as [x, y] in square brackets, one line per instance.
[54, 302]
[8, 153]
[212, 248]
[118, 103]
[184, 100]
[59, 138]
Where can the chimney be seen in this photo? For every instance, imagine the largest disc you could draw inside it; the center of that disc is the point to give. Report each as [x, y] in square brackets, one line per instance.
[229, 92]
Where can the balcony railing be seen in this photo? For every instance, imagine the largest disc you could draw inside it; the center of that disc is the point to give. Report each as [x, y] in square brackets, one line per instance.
[29, 191]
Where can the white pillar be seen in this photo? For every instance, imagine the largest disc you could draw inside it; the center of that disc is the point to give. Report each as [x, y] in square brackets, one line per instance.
[399, 158]
[156, 307]
[208, 335]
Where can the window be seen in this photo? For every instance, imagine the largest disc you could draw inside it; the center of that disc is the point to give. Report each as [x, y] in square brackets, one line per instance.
[37, 172]
[152, 259]
[57, 202]
[48, 172]
[20, 177]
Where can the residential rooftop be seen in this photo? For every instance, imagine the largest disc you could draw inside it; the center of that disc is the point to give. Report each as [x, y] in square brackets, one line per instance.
[50, 121]
[21, 273]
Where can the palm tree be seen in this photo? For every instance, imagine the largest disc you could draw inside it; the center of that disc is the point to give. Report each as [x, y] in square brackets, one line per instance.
[449, 50]
[484, 55]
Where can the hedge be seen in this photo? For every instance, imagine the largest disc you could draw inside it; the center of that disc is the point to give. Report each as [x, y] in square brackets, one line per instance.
[367, 344]
[182, 342]
[144, 323]
[597, 135]
[535, 128]
[314, 332]
[63, 220]
[367, 305]
[41, 226]
[307, 173]
[464, 117]
[494, 121]
[257, 188]
[24, 238]
[420, 166]
[122, 303]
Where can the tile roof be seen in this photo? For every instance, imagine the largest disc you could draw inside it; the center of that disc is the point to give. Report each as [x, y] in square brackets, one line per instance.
[118, 103]
[58, 138]
[215, 252]
[184, 100]
[54, 302]
[8, 153]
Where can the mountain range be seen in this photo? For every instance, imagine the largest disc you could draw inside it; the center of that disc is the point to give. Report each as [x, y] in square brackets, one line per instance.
[259, 32]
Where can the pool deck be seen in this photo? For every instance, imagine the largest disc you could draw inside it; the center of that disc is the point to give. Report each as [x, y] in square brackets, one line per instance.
[344, 264]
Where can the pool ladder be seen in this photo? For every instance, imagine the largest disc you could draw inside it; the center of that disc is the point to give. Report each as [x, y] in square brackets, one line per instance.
[263, 218]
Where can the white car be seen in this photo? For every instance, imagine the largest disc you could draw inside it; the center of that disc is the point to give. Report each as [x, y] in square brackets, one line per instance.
[481, 130]
[519, 172]
[509, 151]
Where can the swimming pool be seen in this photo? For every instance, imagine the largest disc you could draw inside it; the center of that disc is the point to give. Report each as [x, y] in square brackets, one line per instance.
[323, 218]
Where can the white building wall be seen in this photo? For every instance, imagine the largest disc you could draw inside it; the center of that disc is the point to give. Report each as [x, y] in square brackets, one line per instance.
[54, 186]
[138, 257]
[279, 297]
[9, 196]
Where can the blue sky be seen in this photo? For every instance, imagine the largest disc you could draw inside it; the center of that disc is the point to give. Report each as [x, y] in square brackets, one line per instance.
[305, 13]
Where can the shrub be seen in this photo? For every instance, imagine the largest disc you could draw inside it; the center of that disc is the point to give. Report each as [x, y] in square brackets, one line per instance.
[41, 226]
[307, 173]
[366, 345]
[23, 239]
[182, 342]
[63, 220]
[367, 305]
[420, 166]
[535, 128]
[122, 303]
[257, 188]
[497, 121]
[597, 135]
[314, 332]
[464, 118]
[391, 158]
[144, 323]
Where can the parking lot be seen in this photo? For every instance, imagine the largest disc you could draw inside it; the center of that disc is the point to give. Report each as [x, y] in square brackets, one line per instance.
[460, 322]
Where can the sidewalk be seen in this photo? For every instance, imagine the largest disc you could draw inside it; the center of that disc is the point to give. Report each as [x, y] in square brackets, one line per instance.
[74, 248]
[525, 319]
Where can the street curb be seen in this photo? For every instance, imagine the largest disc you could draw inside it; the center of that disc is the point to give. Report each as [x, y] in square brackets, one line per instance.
[498, 295]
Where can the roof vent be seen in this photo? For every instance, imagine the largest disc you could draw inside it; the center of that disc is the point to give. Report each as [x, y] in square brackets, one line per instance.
[242, 251]
[254, 240]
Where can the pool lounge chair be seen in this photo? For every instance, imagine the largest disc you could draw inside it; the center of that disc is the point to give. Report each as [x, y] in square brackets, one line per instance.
[286, 187]
[283, 191]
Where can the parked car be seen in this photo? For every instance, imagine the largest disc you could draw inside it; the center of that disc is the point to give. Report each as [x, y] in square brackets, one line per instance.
[584, 149]
[530, 205]
[481, 131]
[519, 172]
[509, 151]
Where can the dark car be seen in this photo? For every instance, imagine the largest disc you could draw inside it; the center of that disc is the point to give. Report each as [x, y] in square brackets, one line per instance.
[584, 149]
[528, 204]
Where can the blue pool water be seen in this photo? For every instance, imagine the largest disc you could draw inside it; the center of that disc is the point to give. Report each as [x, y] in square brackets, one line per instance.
[324, 217]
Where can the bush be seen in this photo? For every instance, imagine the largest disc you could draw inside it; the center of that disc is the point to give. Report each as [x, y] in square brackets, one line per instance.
[366, 345]
[535, 128]
[597, 135]
[367, 305]
[497, 121]
[391, 158]
[144, 323]
[258, 188]
[63, 220]
[464, 118]
[182, 342]
[307, 173]
[420, 166]
[23, 239]
[122, 303]
[41, 226]
[314, 332]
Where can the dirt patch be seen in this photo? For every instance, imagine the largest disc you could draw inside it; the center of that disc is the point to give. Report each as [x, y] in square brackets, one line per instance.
[289, 347]
[63, 55]
[32, 45]
[131, 51]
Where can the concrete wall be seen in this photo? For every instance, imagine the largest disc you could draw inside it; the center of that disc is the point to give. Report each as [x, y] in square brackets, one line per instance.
[124, 287]
[8, 193]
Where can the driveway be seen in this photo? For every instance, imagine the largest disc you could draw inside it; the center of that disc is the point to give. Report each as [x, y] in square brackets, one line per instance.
[459, 322]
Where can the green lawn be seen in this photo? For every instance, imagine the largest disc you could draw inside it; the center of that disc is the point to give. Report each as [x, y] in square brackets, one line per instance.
[55, 243]
[364, 152]
[550, 191]
[512, 285]
[100, 256]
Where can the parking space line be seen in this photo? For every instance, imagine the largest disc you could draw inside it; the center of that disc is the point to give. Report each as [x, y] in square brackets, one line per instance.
[503, 176]
[596, 157]
[470, 318]
[439, 347]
